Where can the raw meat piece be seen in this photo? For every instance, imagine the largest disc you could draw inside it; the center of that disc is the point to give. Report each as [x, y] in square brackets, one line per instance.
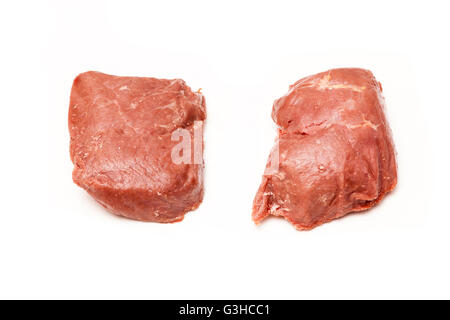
[334, 150]
[121, 144]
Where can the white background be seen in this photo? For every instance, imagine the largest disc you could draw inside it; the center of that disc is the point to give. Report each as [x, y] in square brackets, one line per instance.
[56, 242]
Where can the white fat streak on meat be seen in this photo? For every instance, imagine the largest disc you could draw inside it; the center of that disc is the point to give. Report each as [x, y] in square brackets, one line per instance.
[335, 119]
[276, 206]
[326, 83]
[171, 105]
[365, 123]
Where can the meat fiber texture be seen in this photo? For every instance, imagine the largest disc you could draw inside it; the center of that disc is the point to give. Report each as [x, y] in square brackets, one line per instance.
[120, 144]
[334, 152]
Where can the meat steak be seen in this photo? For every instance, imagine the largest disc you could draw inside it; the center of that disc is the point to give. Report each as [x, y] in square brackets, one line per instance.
[334, 152]
[121, 144]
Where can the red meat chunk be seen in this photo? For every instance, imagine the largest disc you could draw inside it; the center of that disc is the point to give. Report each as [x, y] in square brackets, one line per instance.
[334, 152]
[121, 144]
